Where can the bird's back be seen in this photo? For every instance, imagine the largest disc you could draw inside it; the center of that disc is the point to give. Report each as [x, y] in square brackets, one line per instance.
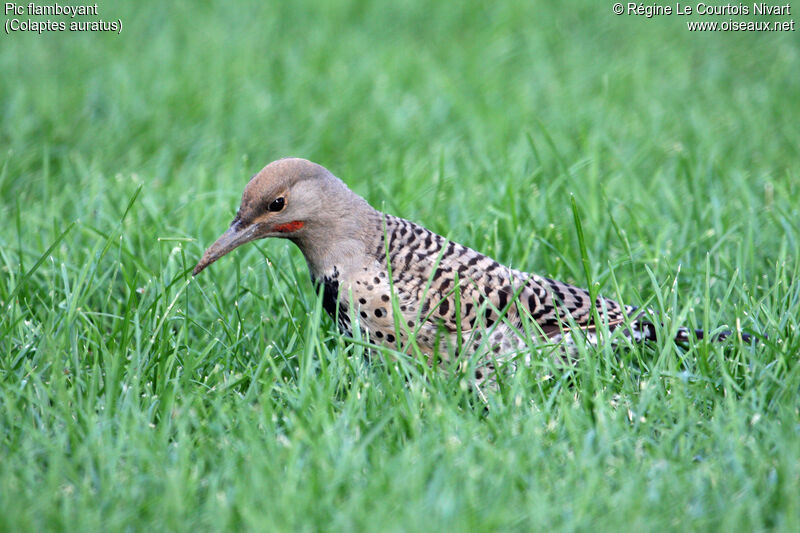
[453, 298]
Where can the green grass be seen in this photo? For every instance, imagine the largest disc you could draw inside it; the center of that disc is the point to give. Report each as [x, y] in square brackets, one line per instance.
[133, 397]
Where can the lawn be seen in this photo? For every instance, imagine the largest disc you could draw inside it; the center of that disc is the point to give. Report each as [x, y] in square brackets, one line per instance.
[134, 397]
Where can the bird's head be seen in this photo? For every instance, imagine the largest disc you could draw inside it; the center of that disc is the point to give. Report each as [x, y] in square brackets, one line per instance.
[290, 198]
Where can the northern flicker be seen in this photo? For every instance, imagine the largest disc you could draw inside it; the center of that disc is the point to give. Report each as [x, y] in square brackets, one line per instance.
[396, 279]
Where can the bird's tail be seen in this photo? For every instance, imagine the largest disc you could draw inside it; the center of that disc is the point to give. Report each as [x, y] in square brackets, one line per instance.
[642, 329]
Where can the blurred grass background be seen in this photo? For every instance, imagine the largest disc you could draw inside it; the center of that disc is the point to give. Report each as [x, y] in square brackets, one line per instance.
[132, 397]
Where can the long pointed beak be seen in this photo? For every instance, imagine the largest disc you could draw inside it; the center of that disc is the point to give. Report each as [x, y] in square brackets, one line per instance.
[237, 235]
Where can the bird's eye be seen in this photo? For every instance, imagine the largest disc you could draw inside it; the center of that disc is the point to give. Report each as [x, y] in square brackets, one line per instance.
[276, 204]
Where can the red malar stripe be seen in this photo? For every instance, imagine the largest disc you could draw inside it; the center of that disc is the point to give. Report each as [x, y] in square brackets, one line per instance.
[289, 226]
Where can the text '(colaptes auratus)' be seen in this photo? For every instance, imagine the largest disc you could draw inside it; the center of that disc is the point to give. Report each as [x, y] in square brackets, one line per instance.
[372, 265]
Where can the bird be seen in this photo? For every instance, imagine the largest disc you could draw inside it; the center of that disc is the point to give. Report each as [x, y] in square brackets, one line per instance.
[395, 282]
